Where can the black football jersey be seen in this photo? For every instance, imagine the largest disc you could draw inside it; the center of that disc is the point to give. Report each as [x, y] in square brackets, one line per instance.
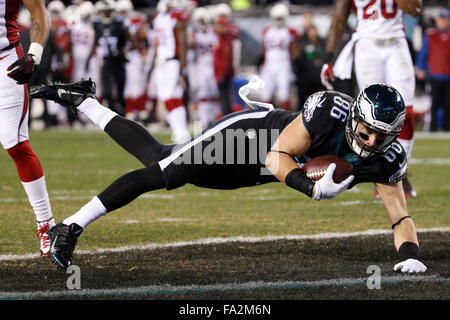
[111, 37]
[325, 116]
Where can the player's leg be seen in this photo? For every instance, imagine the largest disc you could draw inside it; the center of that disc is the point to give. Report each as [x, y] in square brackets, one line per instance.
[400, 74]
[269, 79]
[446, 104]
[369, 64]
[121, 192]
[130, 135]
[284, 86]
[171, 92]
[64, 235]
[14, 138]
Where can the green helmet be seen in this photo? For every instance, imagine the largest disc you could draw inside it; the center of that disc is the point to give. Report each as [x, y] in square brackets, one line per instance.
[380, 108]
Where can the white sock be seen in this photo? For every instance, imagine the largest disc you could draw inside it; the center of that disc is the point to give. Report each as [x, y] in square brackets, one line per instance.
[178, 123]
[96, 112]
[90, 212]
[38, 197]
[407, 145]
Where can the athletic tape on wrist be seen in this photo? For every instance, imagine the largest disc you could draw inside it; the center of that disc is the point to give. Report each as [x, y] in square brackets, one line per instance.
[36, 49]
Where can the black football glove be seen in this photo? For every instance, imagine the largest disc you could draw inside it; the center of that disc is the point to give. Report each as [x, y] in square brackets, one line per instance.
[22, 69]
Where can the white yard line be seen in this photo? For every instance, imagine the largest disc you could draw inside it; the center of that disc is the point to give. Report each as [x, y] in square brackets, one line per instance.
[168, 289]
[206, 241]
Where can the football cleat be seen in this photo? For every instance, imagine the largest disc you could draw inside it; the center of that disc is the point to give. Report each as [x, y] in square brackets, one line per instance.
[409, 191]
[63, 239]
[69, 95]
[42, 234]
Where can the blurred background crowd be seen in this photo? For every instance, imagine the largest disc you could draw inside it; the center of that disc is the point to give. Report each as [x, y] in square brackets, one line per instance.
[127, 47]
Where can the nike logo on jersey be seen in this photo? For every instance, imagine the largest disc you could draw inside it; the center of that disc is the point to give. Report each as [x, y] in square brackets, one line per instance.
[1, 58]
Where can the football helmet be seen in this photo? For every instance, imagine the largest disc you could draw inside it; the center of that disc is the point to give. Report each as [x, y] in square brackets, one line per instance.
[201, 18]
[222, 10]
[279, 13]
[86, 10]
[380, 108]
[56, 8]
[124, 7]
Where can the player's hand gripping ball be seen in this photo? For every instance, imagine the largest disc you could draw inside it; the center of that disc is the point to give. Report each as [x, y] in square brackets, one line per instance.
[315, 168]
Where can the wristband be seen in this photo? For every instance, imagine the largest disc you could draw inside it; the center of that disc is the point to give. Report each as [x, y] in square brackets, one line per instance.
[298, 180]
[36, 50]
[409, 250]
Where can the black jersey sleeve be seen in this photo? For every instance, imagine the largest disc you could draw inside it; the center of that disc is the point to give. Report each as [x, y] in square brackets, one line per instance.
[390, 167]
[324, 116]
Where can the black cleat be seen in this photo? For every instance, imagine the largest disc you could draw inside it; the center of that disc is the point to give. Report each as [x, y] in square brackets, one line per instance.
[69, 95]
[62, 243]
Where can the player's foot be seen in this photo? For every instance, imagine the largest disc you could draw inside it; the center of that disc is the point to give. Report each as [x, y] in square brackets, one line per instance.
[409, 191]
[42, 234]
[62, 243]
[69, 95]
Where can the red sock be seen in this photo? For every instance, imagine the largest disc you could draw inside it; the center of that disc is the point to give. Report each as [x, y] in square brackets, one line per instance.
[173, 104]
[27, 163]
[409, 125]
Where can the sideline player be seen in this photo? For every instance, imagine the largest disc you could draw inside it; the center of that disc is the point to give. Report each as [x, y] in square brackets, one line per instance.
[170, 28]
[16, 69]
[363, 131]
[202, 41]
[381, 55]
[280, 48]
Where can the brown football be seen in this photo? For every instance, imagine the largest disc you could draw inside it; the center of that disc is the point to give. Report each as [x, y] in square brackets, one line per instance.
[316, 168]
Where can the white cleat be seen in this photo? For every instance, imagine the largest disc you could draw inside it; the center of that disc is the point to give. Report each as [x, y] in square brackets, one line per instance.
[42, 234]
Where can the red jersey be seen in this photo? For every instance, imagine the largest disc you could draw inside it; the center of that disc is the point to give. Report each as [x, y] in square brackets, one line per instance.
[9, 29]
[223, 52]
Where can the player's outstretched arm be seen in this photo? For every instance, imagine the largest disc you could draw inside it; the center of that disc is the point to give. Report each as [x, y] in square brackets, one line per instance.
[405, 236]
[337, 29]
[293, 140]
[338, 24]
[411, 7]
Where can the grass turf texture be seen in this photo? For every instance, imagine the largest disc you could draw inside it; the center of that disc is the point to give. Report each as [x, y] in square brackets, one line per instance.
[78, 165]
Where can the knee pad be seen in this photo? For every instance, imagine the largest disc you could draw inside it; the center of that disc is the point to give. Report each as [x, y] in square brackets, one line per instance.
[409, 125]
[27, 163]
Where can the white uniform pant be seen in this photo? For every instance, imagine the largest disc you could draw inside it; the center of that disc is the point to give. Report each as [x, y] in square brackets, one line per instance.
[391, 65]
[13, 103]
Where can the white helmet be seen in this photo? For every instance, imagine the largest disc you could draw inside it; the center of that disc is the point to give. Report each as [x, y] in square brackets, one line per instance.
[222, 9]
[24, 18]
[124, 7]
[161, 6]
[86, 10]
[56, 8]
[201, 16]
[103, 8]
[279, 12]
[72, 15]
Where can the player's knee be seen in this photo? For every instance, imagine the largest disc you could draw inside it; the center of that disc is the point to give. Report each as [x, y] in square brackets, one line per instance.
[21, 151]
[27, 163]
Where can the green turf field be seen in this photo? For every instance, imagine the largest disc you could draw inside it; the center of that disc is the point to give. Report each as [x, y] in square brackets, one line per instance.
[78, 165]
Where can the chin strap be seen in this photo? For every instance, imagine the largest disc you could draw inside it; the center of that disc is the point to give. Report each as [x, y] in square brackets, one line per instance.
[256, 83]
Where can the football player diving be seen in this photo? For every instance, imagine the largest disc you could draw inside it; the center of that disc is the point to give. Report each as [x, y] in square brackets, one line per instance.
[363, 131]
